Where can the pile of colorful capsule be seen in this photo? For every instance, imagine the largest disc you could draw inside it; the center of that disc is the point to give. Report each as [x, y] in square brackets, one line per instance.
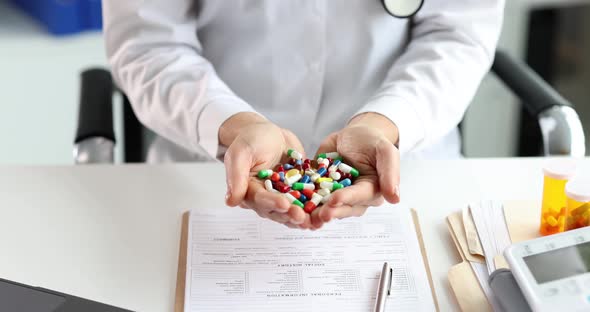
[308, 183]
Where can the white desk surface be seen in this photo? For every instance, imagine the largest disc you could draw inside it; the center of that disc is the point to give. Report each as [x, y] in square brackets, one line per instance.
[111, 233]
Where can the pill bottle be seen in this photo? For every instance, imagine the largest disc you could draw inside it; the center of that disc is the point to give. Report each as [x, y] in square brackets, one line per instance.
[553, 211]
[578, 204]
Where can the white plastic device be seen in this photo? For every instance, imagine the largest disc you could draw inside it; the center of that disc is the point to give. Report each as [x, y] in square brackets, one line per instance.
[553, 272]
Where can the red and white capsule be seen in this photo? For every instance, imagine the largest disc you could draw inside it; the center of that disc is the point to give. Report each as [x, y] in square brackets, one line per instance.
[313, 203]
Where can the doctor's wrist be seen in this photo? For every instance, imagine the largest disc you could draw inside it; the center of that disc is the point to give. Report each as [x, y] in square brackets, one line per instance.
[234, 125]
[377, 121]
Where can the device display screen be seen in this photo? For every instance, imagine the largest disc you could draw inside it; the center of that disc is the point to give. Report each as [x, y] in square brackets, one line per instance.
[559, 263]
[18, 298]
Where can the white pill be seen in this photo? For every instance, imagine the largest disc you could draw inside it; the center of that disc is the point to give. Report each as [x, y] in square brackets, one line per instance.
[314, 177]
[326, 185]
[332, 155]
[268, 185]
[344, 168]
[290, 197]
[316, 198]
[335, 175]
[292, 179]
[295, 155]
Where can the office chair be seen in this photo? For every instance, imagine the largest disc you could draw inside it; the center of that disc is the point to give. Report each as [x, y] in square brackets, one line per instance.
[560, 125]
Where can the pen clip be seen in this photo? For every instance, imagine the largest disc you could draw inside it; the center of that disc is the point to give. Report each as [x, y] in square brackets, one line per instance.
[390, 281]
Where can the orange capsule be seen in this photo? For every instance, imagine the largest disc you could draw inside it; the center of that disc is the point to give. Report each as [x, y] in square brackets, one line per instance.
[295, 194]
[309, 206]
[275, 177]
[307, 192]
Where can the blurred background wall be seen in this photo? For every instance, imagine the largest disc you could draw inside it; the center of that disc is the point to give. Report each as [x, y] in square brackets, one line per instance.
[39, 80]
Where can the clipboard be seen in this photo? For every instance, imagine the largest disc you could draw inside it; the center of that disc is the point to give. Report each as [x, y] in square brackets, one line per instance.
[182, 254]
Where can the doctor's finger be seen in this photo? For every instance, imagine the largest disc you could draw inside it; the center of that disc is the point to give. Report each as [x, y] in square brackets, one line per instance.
[293, 142]
[237, 160]
[279, 217]
[328, 145]
[259, 198]
[299, 217]
[341, 212]
[362, 192]
[387, 159]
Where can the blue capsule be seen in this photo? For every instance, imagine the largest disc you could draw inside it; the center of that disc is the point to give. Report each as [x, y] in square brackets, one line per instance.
[282, 176]
[303, 198]
[299, 162]
[322, 171]
[346, 182]
[305, 179]
[287, 167]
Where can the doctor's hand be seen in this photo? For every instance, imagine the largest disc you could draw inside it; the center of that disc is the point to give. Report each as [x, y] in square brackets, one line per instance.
[367, 144]
[254, 144]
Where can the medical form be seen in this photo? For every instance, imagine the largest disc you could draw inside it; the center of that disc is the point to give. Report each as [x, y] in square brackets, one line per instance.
[237, 261]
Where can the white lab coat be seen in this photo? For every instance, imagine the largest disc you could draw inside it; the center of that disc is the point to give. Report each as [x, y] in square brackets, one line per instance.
[306, 65]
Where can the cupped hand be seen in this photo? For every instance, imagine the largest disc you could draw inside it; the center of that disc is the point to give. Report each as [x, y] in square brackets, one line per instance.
[367, 144]
[258, 144]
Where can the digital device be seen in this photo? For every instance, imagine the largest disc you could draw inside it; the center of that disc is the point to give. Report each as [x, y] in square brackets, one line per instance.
[19, 297]
[553, 271]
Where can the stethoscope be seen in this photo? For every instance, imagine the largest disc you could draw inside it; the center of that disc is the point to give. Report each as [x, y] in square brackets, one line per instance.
[402, 8]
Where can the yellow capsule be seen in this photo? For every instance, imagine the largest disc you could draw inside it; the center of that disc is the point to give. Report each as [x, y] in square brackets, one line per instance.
[291, 173]
[551, 220]
[555, 210]
[561, 222]
[320, 180]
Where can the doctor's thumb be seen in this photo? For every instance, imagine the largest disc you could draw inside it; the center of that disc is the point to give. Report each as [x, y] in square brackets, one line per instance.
[388, 170]
[237, 162]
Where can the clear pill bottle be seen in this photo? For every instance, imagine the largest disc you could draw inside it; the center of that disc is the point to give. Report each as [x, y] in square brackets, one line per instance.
[553, 211]
[578, 204]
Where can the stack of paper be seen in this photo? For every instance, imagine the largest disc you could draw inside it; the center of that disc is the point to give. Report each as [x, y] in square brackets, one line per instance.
[490, 223]
[240, 262]
[481, 232]
[481, 235]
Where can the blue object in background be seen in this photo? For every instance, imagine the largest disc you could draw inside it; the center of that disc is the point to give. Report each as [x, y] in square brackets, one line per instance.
[64, 17]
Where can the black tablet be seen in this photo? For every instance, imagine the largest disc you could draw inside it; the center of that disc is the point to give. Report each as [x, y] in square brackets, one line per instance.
[23, 298]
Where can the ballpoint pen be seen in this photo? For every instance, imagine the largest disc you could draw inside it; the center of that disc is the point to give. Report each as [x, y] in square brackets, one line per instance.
[384, 288]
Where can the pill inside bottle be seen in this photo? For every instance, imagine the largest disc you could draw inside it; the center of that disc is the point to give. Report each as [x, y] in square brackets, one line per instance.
[554, 209]
[578, 204]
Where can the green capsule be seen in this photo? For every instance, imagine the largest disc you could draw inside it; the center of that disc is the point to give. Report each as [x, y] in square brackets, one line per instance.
[298, 203]
[332, 155]
[298, 186]
[294, 154]
[354, 172]
[263, 174]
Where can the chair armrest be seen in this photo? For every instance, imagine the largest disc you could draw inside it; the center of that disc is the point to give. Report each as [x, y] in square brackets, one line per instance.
[560, 124]
[95, 136]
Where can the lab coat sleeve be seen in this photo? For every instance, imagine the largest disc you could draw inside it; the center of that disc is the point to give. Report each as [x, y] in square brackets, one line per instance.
[430, 86]
[155, 55]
